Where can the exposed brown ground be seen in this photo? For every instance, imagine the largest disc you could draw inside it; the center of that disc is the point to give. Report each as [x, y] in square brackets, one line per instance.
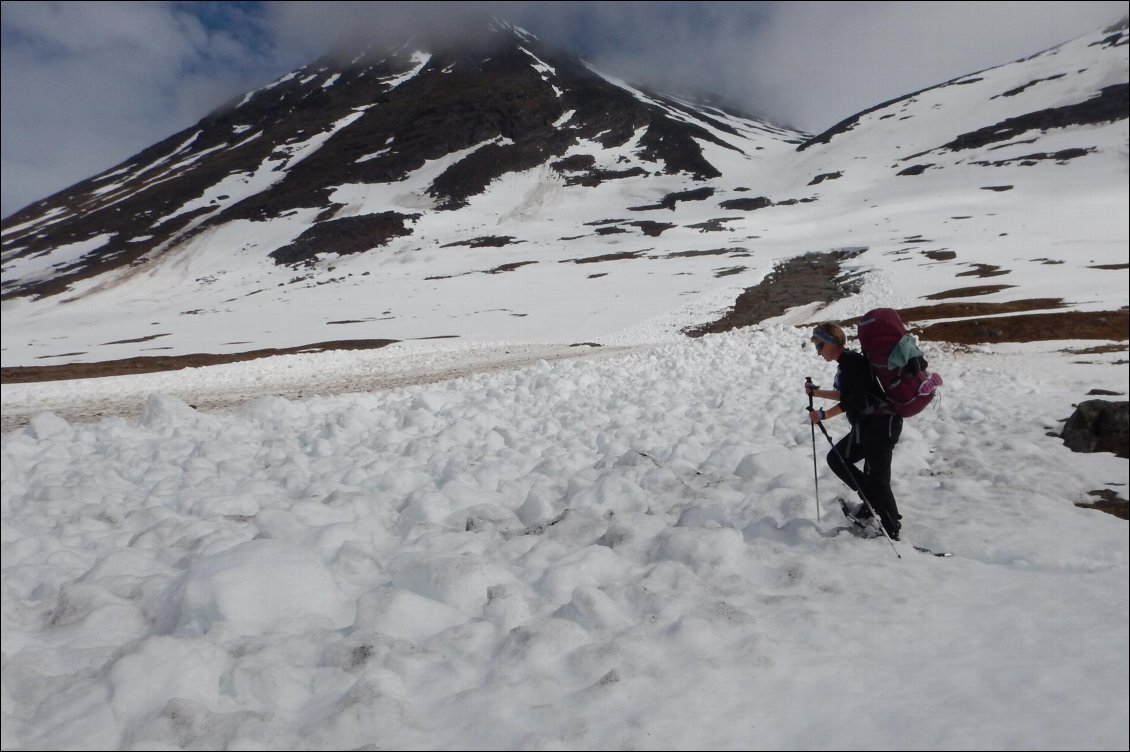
[804, 279]
[816, 277]
[127, 366]
[1108, 501]
[1108, 326]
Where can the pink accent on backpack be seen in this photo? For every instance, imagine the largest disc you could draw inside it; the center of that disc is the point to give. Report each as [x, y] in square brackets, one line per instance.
[899, 366]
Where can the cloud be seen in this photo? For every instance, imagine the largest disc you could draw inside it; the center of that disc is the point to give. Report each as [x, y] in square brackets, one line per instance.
[812, 64]
[86, 85]
[832, 60]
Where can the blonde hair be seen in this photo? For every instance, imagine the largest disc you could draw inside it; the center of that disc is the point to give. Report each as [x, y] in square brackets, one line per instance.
[830, 333]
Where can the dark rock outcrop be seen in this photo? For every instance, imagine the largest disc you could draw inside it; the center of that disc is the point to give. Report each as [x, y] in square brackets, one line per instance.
[1099, 426]
[746, 204]
[1112, 103]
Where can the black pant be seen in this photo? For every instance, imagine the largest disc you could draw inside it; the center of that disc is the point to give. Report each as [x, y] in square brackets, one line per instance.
[872, 440]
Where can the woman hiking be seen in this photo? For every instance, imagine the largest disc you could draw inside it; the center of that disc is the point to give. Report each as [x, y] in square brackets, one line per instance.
[874, 429]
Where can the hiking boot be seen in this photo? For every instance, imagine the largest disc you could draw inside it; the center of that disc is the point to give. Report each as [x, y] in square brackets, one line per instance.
[866, 531]
[856, 510]
[892, 531]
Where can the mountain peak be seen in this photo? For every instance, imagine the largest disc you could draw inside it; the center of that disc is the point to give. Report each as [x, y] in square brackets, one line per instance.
[467, 33]
[494, 104]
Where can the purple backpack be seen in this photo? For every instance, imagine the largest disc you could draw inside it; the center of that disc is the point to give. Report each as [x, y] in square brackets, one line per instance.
[899, 366]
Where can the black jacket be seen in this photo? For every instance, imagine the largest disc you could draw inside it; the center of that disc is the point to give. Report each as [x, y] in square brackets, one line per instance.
[860, 393]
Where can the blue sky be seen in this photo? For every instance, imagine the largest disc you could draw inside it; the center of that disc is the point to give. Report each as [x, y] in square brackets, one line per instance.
[86, 85]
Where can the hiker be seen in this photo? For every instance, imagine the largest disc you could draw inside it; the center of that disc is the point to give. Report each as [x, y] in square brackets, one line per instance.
[874, 430]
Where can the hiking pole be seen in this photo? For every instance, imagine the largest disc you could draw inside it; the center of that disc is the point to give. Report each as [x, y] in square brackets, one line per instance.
[815, 477]
[859, 491]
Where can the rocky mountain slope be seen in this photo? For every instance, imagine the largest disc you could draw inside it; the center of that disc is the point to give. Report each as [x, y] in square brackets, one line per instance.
[508, 191]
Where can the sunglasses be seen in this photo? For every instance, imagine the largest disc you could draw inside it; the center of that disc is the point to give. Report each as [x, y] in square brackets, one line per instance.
[819, 345]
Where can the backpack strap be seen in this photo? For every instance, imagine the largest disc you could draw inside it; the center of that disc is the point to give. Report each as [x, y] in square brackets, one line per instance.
[877, 403]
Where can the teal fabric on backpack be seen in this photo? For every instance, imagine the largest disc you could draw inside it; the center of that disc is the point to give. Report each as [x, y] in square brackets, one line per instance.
[903, 352]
